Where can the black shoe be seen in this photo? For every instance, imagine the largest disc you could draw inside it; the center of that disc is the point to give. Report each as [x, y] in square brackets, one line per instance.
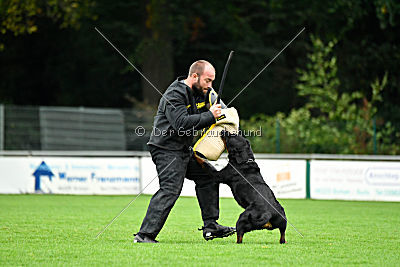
[215, 230]
[143, 239]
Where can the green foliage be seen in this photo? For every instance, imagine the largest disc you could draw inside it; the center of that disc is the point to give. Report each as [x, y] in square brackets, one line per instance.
[329, 122]
[20, 16]
[61, 63]
[319, 81]
[387, 11]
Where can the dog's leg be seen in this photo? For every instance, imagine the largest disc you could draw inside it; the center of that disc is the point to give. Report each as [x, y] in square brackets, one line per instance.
[239, 237]
[209, 169]
[282, 239]
[242, 226]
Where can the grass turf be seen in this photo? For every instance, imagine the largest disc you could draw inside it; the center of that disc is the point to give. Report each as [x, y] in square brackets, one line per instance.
[55, 230]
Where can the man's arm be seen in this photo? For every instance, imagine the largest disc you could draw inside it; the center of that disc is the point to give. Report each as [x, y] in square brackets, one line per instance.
[177, 114]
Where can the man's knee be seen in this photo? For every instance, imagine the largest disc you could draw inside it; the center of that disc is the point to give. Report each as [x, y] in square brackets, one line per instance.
[173, 191]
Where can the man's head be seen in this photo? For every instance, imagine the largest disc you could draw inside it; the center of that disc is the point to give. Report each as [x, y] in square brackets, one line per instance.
[201, 75]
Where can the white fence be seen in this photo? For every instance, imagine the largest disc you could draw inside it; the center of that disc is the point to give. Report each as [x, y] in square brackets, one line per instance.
[289, 176]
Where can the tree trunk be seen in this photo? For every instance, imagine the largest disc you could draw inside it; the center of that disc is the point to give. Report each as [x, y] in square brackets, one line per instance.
[158, 68]
[157, 52]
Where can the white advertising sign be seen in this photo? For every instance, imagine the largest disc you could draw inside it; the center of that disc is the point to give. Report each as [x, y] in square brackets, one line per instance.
[56, 175]
[148, 174]
[287, 178]
[150, 183]
[355, 180]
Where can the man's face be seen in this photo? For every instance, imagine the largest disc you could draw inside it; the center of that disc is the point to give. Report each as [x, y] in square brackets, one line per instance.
[204, 80]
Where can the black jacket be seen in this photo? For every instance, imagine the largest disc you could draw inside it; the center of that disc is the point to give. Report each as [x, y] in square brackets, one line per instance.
[178, 117]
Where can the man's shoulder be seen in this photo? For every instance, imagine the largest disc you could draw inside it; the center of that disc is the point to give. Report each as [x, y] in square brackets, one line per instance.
[176, 88]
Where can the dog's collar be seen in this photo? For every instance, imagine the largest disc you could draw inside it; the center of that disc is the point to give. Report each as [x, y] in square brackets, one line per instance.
[250, 160]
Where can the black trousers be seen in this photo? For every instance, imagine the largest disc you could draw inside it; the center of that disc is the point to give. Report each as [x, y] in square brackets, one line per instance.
[171, 177]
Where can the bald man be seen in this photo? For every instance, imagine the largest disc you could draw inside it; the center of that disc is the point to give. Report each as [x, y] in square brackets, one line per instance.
[184, 108]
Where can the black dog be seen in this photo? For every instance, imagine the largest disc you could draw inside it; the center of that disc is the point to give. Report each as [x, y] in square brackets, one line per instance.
[242, 175]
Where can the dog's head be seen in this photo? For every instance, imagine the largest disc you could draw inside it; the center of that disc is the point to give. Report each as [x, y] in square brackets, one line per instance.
[238, 147]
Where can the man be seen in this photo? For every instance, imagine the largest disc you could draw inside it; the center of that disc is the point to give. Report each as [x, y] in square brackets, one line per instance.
[170, 148]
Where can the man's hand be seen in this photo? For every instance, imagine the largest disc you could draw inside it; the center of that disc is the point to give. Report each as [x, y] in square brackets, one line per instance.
[216, 110]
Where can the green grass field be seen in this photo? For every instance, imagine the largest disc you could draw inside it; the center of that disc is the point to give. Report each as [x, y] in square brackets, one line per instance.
[55, 230]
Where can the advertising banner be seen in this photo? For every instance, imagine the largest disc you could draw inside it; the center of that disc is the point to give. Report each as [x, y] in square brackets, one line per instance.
[150, 183]
[355, 180]
[56, 175]
[85, 175]
[287, 178]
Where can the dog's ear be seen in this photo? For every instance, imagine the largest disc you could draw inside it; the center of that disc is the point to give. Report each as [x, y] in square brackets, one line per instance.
[242, 156]
[251, 153]
[245, 153]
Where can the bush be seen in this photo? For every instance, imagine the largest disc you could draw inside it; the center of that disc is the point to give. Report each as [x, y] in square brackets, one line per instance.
[329, 122]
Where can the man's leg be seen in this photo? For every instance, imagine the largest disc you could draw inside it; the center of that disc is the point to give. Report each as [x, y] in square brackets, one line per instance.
[171, 180]
[207, 192]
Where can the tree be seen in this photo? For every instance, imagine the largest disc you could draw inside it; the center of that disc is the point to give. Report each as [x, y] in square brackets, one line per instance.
[20, 16]
[330, 121]
[53, 61]
[155, 51]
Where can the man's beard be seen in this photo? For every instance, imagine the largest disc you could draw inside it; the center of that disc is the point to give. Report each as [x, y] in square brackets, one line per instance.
[197, 88]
